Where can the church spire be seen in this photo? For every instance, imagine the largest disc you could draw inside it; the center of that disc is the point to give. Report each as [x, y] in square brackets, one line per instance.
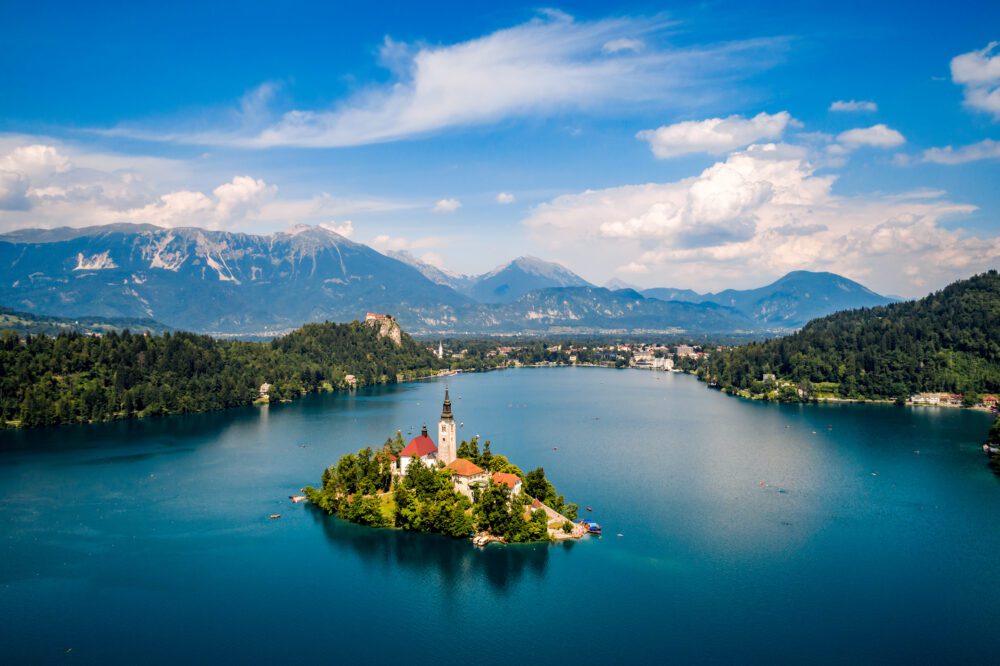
[446, 408]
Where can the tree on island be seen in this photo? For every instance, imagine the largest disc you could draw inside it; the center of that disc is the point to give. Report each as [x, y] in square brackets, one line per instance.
[361, 488]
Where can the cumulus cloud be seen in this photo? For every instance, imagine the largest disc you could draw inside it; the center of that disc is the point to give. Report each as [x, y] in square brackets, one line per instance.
[34, 161]
[45, 183]
[987, 149]
[876, 136]
[756, 215]
[978, 72]
[446, 205]
[505, 198]
[345, 229]
[715, 135]
[240, 196]
[548, 65]
[853, 105]
[230, 202]
[13, 191]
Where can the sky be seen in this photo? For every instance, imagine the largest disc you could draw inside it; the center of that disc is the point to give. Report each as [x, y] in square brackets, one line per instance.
[702, 145]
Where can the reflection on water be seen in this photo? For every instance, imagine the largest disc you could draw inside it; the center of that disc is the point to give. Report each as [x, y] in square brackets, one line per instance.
[449, 561]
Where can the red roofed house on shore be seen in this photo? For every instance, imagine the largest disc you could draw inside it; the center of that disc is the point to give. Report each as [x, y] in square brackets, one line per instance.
[988, 400]
[512, 481]
[422, 447]
[467, 476]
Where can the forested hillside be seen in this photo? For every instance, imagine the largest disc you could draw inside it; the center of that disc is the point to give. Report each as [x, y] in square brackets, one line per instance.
[948, 341]
[75, 378]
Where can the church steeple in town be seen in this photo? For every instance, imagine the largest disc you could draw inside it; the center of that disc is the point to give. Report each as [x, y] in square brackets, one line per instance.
[447, 447]
[446, 408]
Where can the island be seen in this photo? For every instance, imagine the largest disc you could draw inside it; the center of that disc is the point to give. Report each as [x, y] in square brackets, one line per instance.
[455, 490]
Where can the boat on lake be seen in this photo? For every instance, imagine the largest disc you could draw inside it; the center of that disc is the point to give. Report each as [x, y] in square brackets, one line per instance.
[592, 527]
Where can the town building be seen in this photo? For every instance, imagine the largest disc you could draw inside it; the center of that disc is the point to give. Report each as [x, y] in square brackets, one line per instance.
[512, 481]
[422, 447]
[468, 476]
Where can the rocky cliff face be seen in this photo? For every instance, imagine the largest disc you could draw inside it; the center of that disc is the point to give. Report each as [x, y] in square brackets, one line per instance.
[386, 327]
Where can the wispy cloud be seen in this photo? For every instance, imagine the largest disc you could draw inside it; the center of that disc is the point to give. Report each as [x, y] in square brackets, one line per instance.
[987, 149]
[505, 198]
[548, 65]
[853, 106]
[715, 135]
[978, 72]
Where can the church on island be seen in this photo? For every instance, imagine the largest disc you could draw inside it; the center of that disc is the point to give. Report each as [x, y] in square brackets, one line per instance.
[467, 475]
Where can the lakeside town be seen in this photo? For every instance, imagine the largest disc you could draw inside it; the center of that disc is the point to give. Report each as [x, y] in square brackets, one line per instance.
[686, 358]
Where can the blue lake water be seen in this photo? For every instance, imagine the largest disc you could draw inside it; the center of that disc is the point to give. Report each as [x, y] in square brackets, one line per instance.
[750, 533]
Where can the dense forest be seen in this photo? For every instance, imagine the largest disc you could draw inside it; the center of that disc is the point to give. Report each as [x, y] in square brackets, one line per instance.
[948, 341]
[361, 489]
[75, 378]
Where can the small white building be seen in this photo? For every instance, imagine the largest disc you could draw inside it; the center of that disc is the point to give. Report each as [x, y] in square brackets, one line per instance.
[512, 481]
[467, 476]
[422, 447]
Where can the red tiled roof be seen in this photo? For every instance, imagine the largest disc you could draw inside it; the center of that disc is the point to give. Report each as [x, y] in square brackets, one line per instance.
[509, 480]
[464, 467]
[419, 446]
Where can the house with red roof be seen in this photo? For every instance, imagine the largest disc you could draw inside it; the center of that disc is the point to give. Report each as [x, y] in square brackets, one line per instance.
[988, 400]
[422, 447]
[467, 476]
[512, 481]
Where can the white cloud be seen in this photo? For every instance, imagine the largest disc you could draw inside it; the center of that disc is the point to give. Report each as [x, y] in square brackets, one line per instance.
[623, 44]
[505, 198]
[853, 105]
[546, 66]
[876, 136]
[715, 135]
[446, 205]
[978, 72]
[13, 191]
[240, 196]
[987, 149]
[634, 267]
[58, 184]
[434, 259]
[35, 160]
[345, 229]
[385, 243]
[759, 214]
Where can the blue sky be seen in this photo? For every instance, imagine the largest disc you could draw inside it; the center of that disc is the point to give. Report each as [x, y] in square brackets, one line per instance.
[692, 145]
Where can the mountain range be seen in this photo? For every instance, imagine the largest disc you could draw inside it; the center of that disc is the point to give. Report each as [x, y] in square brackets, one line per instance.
[235, 283]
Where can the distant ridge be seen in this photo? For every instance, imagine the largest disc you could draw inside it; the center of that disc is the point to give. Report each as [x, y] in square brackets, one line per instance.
[226, 283]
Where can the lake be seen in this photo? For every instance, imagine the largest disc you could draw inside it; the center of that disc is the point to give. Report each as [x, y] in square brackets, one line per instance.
[749, 533]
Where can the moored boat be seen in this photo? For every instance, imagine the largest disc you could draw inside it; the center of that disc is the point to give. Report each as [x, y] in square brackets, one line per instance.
[592, 526]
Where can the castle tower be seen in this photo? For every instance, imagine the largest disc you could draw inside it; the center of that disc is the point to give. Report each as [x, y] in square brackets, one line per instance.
[447, 448]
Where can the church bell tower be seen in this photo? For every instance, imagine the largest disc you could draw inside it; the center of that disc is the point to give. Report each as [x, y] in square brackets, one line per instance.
[447, 451]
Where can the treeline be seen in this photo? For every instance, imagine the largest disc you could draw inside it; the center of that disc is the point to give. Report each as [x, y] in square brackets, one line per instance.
[361, 489]
[948, 341]
[74, 378]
